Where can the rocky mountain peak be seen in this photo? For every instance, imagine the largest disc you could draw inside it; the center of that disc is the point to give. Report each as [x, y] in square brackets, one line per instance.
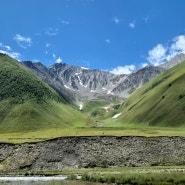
[174, 61]
[93, 83]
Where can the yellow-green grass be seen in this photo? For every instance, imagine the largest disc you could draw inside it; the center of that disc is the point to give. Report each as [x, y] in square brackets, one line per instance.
[30, 116]
[103, 171]
[160, 102]
[46, 134]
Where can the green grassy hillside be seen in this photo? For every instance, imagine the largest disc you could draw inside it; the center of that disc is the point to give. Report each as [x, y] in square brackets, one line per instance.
[161, 102]
[18, 84]
[28, 104]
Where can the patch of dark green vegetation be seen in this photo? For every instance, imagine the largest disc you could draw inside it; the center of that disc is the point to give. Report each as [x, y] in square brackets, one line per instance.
[19, 85]
[173, 178]
[101, 109]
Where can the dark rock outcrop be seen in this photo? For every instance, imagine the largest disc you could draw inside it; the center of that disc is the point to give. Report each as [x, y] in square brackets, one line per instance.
[86, 152]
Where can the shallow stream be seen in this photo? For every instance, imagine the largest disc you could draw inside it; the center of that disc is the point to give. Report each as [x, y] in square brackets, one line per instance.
[55, 180]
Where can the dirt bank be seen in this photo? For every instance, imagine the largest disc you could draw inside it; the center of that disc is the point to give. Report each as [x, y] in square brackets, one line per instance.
[78, 152]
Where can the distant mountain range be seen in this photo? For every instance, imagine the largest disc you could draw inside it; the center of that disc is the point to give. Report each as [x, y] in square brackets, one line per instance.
[34, 97]
[89, 84]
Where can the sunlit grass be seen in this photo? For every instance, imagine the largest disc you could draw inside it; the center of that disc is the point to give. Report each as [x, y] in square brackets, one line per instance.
[42, 135]
[160, 102]
[100, 171]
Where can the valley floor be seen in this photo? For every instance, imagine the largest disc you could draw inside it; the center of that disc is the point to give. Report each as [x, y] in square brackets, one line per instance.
[92, 152]
[168, 175]
[137, 155]
[128, 130]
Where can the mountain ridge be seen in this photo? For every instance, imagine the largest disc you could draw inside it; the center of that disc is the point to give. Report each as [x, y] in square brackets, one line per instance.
[29, 104]
[89, 84]
[24, 82]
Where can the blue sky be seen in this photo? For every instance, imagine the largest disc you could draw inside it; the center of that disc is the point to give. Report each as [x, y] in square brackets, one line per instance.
[114, 35]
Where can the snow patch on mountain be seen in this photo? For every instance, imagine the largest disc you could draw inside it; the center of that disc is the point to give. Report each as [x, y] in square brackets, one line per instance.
[116, 116]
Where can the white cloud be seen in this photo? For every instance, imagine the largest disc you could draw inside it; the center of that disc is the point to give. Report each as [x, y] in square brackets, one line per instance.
[157, 55]
[108, 41]
[58, 60]
[178, 46]
[48, 45]
[8, 48]
[51, 31]
[116, 20]
[132, 24]
[64, 21]
[123, 69]
[144, 65]
[22, 41]
[54, 56]
[146, 19]
[14, 55]
[160, 53]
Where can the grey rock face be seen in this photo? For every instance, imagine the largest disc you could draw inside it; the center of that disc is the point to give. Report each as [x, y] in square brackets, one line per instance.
[50, 78]
[85, 152]
[176, 60]
[86, 82]
[90, 84]
[135, 80]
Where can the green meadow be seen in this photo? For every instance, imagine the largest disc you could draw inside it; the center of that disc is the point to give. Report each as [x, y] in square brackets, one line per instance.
[45, 134]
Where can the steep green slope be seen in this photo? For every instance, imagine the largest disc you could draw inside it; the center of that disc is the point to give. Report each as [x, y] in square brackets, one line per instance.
[160, 102]
[18, 84]
[28, 104]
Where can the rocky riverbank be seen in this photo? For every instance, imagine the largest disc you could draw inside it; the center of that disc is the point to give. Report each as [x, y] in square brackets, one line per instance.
[86, 152]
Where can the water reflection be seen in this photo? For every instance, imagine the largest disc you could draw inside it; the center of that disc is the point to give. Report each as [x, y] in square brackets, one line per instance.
[52, 182]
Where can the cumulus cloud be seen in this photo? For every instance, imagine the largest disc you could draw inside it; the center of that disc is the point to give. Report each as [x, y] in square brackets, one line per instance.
[58, 60]
[51, 31]
[146, 19]
[108, 41]
[47, 45]
[178, 46]
[54, 56]
[14, 55]
[123, 69]
[160, 53]
[64, 21]
[116, 20]
[8, 48]
[132, 24]
[157, 55]
[22, 41]
[144, 65]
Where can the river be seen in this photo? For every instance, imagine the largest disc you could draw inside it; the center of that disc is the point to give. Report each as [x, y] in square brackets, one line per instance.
[54, 180]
